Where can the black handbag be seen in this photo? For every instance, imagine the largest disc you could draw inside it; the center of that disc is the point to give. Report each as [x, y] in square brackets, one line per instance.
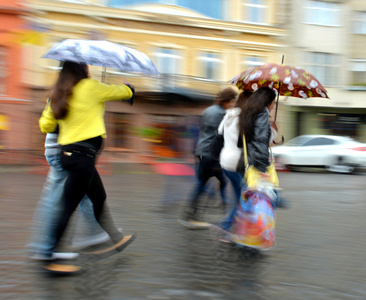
[217, 144]
[240, 166]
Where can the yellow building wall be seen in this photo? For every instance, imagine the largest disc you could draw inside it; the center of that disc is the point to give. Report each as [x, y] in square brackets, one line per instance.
[232, 41]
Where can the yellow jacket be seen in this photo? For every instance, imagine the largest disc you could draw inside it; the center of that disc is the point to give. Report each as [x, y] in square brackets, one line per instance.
[85, 117]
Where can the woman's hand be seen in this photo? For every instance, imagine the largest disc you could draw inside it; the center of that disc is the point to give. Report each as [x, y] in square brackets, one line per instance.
[264, 176]
[274, 125]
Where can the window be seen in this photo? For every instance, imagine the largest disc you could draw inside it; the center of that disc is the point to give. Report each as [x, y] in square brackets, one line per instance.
[167, 60]
[212, 8]
[322, 13]
[4, 69]
[255, 11]
[74, 1]
[4, 125]
[297, 141]
[209, 65]
[121, 3]
[358, 70]
[324, 66]
[319, 142]
[122, 133]
[253, 61]
[360, 23]
[171, 2]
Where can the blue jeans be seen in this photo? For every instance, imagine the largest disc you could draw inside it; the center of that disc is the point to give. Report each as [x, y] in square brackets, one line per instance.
[236, 179]
[49, 207]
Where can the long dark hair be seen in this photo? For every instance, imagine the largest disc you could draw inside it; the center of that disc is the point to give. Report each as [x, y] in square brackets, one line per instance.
[243, 97]
[69, 76]
[252, 107]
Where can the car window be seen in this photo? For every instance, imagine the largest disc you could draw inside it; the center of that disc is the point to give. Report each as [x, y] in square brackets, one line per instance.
[297, 141]
[319, 142]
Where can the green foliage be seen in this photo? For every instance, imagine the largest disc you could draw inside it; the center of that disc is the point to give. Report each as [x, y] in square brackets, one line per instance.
[147, 132]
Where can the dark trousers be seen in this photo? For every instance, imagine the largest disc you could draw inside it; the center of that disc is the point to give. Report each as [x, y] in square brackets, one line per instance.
[83, 179]
[207, 168]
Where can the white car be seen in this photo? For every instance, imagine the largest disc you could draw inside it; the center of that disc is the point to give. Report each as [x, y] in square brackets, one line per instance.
[335, 153]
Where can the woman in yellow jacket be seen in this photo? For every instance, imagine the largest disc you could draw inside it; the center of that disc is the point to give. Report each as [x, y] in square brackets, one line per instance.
[77, 109]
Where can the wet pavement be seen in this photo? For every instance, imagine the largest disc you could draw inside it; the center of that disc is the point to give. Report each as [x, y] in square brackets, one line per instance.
[320, 251]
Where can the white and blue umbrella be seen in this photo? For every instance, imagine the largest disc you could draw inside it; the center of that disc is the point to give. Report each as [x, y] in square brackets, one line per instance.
[102, 53]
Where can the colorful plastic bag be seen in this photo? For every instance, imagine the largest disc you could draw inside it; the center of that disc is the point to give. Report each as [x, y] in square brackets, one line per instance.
[255, 220]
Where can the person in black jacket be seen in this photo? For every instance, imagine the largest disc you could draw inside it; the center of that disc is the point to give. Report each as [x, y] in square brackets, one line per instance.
[254, 123]
[208, 159]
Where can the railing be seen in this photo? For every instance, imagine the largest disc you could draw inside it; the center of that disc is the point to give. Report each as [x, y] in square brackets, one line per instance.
[167, 82]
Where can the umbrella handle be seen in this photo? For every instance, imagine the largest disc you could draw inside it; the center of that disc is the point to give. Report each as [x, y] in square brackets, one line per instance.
[277, 101]
[278, 94]
[103, 74]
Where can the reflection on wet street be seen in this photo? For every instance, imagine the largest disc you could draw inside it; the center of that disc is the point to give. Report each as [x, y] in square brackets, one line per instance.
[319, 253]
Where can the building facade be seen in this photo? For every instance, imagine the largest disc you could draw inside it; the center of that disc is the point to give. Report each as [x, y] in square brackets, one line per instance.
[328, 39]
[14, 99]
[196, 47]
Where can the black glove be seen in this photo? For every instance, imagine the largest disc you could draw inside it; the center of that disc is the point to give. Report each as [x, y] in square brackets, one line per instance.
[130, 101]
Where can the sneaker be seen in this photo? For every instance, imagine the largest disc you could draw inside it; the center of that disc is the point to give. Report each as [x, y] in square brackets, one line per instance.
[126, 240]
[54, 256]
[225, 237]
[64, 255]
[96, 240]
[59, 269]
[225, 240]
[39, 256]
[193, 224]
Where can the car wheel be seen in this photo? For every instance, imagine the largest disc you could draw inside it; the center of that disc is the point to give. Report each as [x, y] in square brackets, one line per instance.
[339, 166]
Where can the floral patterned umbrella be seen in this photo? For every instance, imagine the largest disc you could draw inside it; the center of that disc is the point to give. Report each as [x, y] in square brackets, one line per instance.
[287, 80]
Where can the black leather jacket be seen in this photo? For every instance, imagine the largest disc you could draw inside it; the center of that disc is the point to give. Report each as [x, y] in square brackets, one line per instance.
[258, 145]
[210, 121]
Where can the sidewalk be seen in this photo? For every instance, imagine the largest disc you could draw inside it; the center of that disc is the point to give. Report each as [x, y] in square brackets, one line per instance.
[169, 261]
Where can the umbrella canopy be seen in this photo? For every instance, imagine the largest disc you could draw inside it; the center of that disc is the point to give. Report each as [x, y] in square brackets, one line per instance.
[286, 80]
[102, 53]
